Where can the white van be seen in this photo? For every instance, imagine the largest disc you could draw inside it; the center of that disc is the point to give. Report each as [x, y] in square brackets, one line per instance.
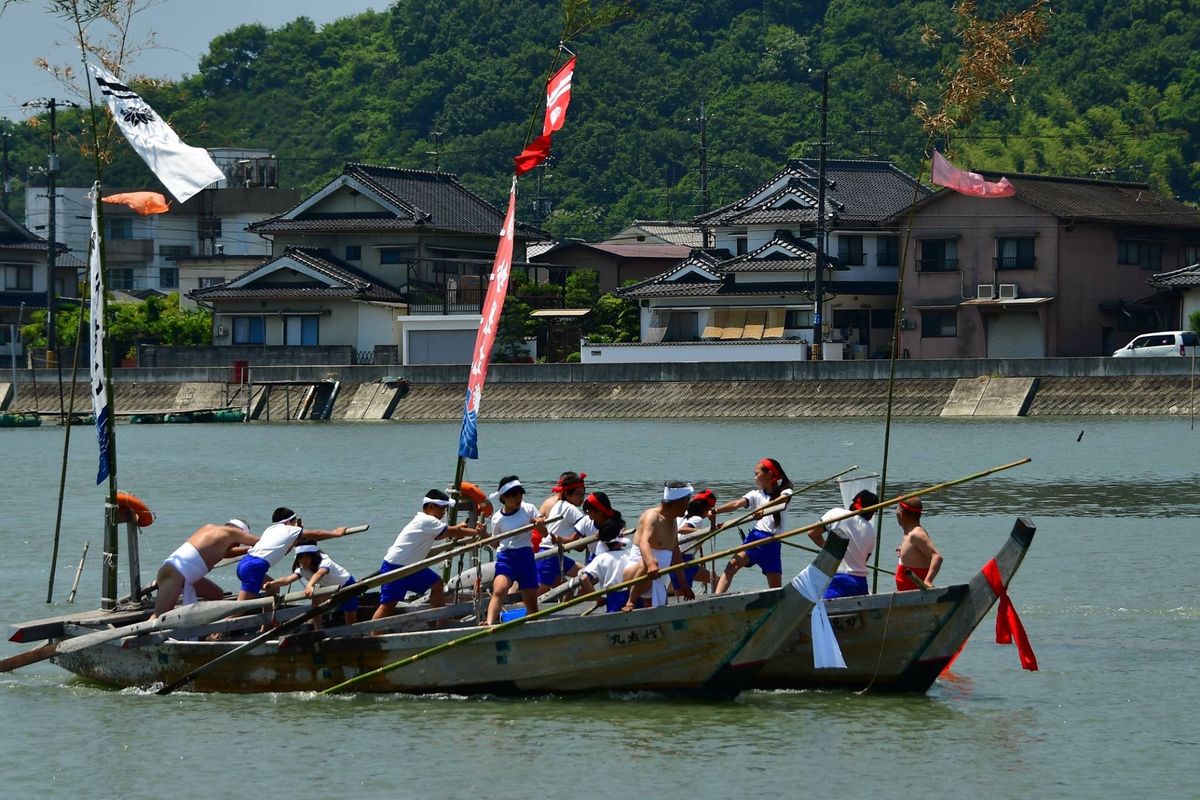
[1164, 343]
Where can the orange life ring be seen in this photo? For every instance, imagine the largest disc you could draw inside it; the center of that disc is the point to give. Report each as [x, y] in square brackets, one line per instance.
[477, 496]
[130, 504]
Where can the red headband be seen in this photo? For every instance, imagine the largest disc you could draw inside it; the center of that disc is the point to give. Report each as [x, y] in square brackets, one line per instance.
[858, 504]
[707, 496]
[561, 487]
[595, 502]
[910, 509]
[770, 467]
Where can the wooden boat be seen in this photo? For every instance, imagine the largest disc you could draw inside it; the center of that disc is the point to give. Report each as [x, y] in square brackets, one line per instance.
[711, 647]
[896, 642]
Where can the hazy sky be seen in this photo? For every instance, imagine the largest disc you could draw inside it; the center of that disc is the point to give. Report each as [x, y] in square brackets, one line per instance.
[182, 28]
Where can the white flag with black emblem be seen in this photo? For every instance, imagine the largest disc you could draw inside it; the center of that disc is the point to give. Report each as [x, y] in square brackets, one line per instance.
[183, 169]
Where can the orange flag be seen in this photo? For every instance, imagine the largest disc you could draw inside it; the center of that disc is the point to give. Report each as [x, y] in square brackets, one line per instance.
[141, 202]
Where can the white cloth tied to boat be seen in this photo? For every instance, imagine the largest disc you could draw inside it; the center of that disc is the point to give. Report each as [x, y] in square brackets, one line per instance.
[811, 583]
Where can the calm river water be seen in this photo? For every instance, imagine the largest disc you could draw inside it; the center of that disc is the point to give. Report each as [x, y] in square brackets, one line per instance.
[1109, 596]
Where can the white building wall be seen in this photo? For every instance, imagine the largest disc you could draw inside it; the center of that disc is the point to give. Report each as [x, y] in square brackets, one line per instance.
[693, 352]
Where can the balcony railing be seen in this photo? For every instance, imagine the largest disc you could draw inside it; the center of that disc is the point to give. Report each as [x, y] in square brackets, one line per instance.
[459, 286]
[1015, 262]
[937, 264]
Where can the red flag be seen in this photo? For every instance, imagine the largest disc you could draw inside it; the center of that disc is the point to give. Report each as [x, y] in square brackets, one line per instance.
[968, 183]
[1008, 624]
[141, 202]
[493, 304]
[558, 97]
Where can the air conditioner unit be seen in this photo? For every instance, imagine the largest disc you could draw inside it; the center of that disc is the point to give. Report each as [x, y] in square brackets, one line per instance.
[985, 291]
[1008, 291]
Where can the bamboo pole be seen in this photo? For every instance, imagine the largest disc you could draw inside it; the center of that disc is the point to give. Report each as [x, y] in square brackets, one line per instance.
[490, 630]
[78, 573]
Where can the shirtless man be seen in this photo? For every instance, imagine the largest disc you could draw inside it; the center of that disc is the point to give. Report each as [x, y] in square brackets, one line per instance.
[657, 540]
[184, 570]
[916, 551]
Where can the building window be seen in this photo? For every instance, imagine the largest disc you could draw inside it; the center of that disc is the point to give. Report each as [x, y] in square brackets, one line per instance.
[249, 330]
[850, 250]
[18, 278]
[683, 326]
[1191, 255]
[209, 227]
[118, 228]
[938, 255]
[883, 318]
[174, 252]
[1015, 253]
[797, 319]
[888, 254]
[393, 255]
[300, 330]
[4, 340]
[120, 279]
[740, 245]
[1147, 255]
[168, 277]
[939, 324]
[354, 252]
[210, 280]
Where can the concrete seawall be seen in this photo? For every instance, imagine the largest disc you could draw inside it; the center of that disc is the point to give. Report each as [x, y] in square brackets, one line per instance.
[951, 387]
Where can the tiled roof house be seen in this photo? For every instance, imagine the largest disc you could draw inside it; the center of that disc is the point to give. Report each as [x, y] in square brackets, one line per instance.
[23, 267]
[750, 296]
[378, 256]
[1059, 269]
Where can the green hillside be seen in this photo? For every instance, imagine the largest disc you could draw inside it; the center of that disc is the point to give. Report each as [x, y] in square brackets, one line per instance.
[1112, 90]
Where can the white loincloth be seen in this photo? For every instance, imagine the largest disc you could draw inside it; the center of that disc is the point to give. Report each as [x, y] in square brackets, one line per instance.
[811, 583]
[658, 588]
[188, 563]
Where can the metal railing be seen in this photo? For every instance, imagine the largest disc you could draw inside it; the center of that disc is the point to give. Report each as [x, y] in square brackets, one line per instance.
[1014, 262]
[459, 286]
[937, 264]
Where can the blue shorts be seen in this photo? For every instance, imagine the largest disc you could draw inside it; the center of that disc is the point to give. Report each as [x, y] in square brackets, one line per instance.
[689, 573]
[418, 583]
[350, 603]
[548, 571]
[767, 557]
[845, 585]
[252, 571]
[615, 601]
[517, 564]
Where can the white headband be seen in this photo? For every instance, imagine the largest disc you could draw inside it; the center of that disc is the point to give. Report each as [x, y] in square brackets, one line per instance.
[307, 548]
[508, 487]
[425, 501]
[286, 521]
[673, 493]
[237, 523]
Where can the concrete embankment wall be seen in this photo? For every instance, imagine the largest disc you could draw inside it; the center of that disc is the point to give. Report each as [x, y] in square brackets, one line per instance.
[950, 387]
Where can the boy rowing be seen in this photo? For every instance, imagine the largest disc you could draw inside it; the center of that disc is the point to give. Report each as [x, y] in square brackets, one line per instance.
[657, 539]
[184, 570]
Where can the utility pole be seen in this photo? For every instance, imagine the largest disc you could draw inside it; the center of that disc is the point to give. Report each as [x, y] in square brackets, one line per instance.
[5, 183]
[52, 249]
[819, 269]
[705, 198]
[435, 136]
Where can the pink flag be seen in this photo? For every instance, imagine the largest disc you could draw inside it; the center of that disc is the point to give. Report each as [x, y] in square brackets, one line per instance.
[558, 97]
[493, 304]
[968, 183]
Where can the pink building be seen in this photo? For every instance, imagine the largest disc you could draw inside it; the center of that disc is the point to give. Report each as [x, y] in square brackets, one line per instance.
[1060, 269]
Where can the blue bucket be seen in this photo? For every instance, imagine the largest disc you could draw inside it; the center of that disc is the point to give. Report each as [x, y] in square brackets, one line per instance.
[515, 613]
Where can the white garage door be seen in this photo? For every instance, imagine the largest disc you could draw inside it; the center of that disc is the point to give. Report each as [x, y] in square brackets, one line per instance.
[1015, 335]
[440, 347]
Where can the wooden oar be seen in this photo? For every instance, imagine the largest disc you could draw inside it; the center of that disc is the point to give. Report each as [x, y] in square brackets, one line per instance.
[815, 550]
[338, 597]
[185, 617]
[488, 631]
